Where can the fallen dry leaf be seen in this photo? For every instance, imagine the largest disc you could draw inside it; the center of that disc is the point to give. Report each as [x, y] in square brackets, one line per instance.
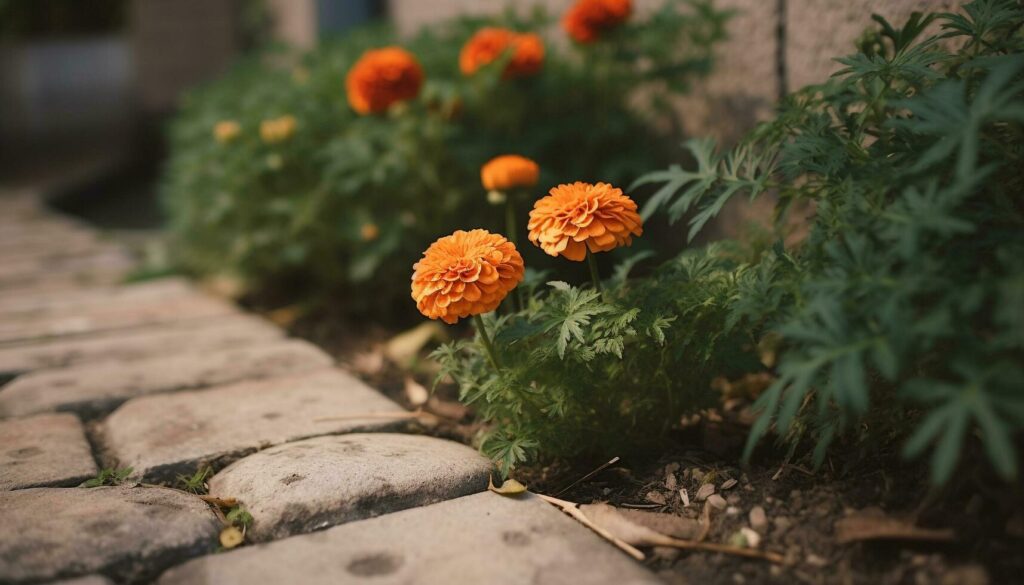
[621, 527]
[873, 524]
[667, 524]
[231, 537]
[417, 394]
[447, 409]
[285, 316]
[510, 487]
[403, 348]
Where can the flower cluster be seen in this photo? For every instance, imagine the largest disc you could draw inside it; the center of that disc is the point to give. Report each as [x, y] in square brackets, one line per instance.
[381, 78]
[491, 43]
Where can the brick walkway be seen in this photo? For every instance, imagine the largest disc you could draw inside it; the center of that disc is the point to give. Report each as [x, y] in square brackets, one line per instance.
[162, 378]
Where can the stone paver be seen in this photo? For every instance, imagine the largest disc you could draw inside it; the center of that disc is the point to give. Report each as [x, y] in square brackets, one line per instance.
[228, 331]
[90, 580]
[94, 389]
[128, 533]
[46, 303]
[484, 538]
[115, 315]
[307, 485]
[26, 267]
[163, 435]
[45, 450]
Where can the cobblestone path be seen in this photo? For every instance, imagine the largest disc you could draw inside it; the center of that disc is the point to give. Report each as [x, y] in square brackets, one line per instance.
[165, 379]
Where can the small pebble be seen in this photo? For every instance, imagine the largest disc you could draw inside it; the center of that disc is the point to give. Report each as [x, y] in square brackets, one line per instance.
[717, 501]
[685, 497]
[670, 481]
[734, 499]
[729, 484]
[656, 498]
[753, 538]
[732, 511]
[815, 561]
[758, 519]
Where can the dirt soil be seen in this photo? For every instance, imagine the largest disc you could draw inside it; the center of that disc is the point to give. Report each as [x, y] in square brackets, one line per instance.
[875, 522]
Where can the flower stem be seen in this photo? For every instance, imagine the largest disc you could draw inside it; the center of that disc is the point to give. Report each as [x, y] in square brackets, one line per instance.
[479, 322]
[592, 262]
[510, 228]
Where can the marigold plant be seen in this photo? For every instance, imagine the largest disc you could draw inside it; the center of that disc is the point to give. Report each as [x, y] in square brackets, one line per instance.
[381, 78]
[899, 320]
[586, 20]
[578, 217]
[489, 44]
[465, 274]
[287, 219]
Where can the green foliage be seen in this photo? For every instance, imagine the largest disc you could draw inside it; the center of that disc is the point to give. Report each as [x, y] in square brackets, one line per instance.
[902, 310]
[238, 516]
[299, 211]
[195, 483]
[586, 373]
[109, 476]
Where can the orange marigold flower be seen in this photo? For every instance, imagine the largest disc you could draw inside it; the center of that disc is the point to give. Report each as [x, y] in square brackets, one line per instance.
[465, 274]
[277, 129]
[509, 171]
[490, 43]
[587, 19]
[573, 218]
[382, 77]
[226, 131]
[369, 232]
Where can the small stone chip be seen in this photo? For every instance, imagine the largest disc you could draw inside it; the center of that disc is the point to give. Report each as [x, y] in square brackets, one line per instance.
[717, 501]
[758, 519]
[705, 491]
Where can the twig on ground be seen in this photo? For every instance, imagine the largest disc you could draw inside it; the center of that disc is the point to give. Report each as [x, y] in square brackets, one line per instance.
[705, 522]
[219, 502]
[571, 509]
[601, 468]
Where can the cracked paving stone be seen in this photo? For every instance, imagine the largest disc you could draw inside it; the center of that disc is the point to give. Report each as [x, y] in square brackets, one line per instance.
[54, 302]
[163, 435]
[106, 317]
[94, 389]
[308, 485]
[128, 533]
[228, 331]
[44, 450]
[483, 538]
